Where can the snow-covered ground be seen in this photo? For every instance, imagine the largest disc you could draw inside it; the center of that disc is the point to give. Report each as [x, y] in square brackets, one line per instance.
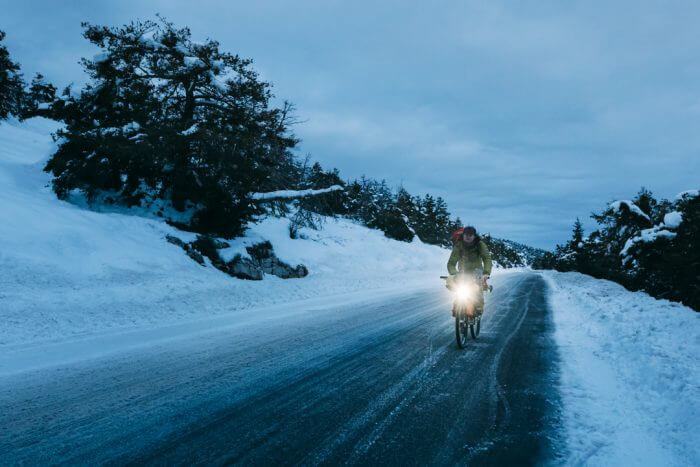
[630, 377]
[75, 280]
[70, 273]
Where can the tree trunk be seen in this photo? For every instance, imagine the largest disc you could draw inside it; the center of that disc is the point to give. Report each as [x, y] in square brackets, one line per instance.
[188, 113]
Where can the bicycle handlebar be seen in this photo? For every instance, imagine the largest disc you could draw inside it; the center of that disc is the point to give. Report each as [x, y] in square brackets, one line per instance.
[490, 288]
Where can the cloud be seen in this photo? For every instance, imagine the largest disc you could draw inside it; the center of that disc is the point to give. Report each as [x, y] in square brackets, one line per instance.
[535, 112]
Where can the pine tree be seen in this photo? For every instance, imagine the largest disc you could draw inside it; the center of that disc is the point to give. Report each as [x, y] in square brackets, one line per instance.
[664, 261]
[646, 202]
[501, 252]
[427, 222]
[406, 205]
[442, 223]
[41, 99]
[683, 265]
[361, 200]
[165, 117]
[11, 84]
[327, 204]
[579, 246]
[577, 235]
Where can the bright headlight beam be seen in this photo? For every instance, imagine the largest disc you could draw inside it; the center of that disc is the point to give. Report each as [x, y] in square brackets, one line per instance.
[464, 293]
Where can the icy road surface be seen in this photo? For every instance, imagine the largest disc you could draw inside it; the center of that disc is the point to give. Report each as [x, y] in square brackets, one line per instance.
[371, 382]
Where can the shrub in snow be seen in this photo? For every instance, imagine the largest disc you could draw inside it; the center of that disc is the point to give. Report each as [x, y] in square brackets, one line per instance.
[168, 117]
[208, 247]
[260, 251]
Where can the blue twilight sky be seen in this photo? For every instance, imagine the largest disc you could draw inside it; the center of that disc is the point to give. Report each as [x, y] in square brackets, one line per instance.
[523, 115]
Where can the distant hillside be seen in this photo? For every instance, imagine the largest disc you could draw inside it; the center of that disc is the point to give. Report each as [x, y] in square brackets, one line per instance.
[509, 254]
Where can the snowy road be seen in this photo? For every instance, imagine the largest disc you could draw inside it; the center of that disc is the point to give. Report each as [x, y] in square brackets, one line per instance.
[379, 382]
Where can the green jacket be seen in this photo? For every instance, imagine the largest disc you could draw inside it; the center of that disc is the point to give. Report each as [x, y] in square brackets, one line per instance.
[476, 256]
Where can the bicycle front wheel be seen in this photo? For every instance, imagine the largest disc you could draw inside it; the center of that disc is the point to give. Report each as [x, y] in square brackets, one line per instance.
[461, 331]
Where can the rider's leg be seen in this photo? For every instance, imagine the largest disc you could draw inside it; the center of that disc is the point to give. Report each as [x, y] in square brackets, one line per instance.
[479, 305]
[450, 284]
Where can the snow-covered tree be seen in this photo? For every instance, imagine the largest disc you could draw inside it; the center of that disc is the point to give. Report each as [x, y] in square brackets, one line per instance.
[167, 117]
[432, 221]
[406, 204]
[41, 99]
[328, 204]
[644, 244]
[426, 223]
[443, 225]
[503, 253]
[685, 259]
[11, 84]
[663, 260]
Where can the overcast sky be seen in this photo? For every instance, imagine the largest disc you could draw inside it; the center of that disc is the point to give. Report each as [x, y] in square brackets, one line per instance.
[523, 115]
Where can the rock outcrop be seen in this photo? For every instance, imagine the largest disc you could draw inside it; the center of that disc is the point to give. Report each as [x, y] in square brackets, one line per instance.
[262, 259]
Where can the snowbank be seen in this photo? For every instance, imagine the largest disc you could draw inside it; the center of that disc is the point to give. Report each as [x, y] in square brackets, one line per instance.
[630, 379]
[69, 272]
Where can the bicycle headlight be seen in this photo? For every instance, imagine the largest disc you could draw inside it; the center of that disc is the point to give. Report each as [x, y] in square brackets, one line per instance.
[464, 293]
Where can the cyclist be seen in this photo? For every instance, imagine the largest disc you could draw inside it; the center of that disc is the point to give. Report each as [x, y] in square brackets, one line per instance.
[470, 255]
